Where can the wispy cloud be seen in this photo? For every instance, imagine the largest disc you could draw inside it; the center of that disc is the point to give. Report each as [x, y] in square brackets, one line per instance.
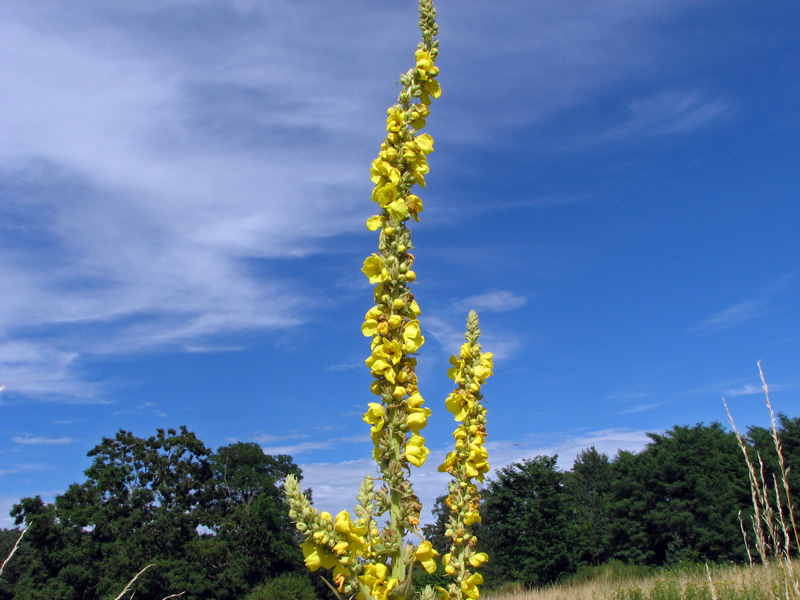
[147, 177]
[29, 439]
[498, 301]
[748, 389]
[746, 310]
[641, 408]
[666, 112]
[733, 315]
[344, 367]
[306, 447]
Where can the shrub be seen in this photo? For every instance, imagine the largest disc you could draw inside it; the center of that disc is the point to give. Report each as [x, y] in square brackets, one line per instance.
[287, 586]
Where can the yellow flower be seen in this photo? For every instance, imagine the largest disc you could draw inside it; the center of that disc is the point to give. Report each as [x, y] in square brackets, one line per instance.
[426, 556]
[484, 369]
[415, 402]
[414, 206]
[416, 452]
[430, 89]
[316, 557]
[374, 578]
[417, 421]
[398, 210]
[412, 337]
[425, 68]
[476, 463]
[476, 560]
[388, 350]
[471, 518]
[381, 368]
[449, 569]
[395, 119]
[414, 156]
[469, 587]
[424, 143]
[419, 113]
[449, 462]
[375, 269]
[384, 194]
[354, 534]
[459, 404]
[456, 373]
[370, 326]
[375, 416]
[375, 222]
[383, 171]
[441, 593]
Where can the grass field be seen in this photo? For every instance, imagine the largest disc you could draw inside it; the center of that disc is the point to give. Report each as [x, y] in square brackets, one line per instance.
[620, 582]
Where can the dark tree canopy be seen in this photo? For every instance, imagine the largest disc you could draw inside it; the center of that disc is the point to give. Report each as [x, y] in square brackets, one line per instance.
[525, 528]
[214, 525]
[678, 499]
[588, 489]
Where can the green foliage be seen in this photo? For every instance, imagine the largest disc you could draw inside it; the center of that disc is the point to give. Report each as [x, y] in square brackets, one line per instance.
[525, 528]
[610, 571]
[587, 492]
[19, 564]
[678, 499]
[149, 501]
[288, 586]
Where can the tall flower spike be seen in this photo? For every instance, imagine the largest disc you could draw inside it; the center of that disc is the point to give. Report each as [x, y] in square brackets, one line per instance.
[467, 463]
[368, 561]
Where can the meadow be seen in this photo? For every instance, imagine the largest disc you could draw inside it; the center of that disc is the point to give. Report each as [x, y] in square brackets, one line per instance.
[618, 581]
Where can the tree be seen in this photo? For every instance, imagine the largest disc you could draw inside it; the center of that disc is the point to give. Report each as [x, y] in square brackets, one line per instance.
[250, 515]
[587, 489]
[525, 528]
[212, 525]
[679, 498]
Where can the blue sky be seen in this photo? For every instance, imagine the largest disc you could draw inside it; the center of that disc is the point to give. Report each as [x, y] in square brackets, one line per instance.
[184, 185]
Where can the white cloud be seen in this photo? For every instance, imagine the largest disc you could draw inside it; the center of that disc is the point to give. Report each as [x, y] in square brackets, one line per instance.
[148, 173]
[335, 485]
[6, 503]
[29, 439]
[499, 301]
[304, 447]
[748, 389]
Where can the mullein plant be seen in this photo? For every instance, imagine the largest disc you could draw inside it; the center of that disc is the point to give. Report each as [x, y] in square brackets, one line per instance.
[369, 556]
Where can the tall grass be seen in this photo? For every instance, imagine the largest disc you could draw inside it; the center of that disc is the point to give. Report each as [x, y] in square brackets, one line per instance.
[773, 521]
[727, 582]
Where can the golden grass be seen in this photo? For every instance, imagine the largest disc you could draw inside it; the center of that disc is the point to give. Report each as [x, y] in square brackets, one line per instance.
[729, 583]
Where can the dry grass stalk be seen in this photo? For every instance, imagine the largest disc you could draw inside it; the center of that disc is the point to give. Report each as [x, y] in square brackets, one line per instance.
[130, 583]
[761, 544]
[13, 550]
[779, 451]
[711, 584]
[744, 537]
[781, 535]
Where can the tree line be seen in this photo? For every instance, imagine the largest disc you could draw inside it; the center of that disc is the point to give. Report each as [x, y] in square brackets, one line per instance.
[214, 525]
[676, 501]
